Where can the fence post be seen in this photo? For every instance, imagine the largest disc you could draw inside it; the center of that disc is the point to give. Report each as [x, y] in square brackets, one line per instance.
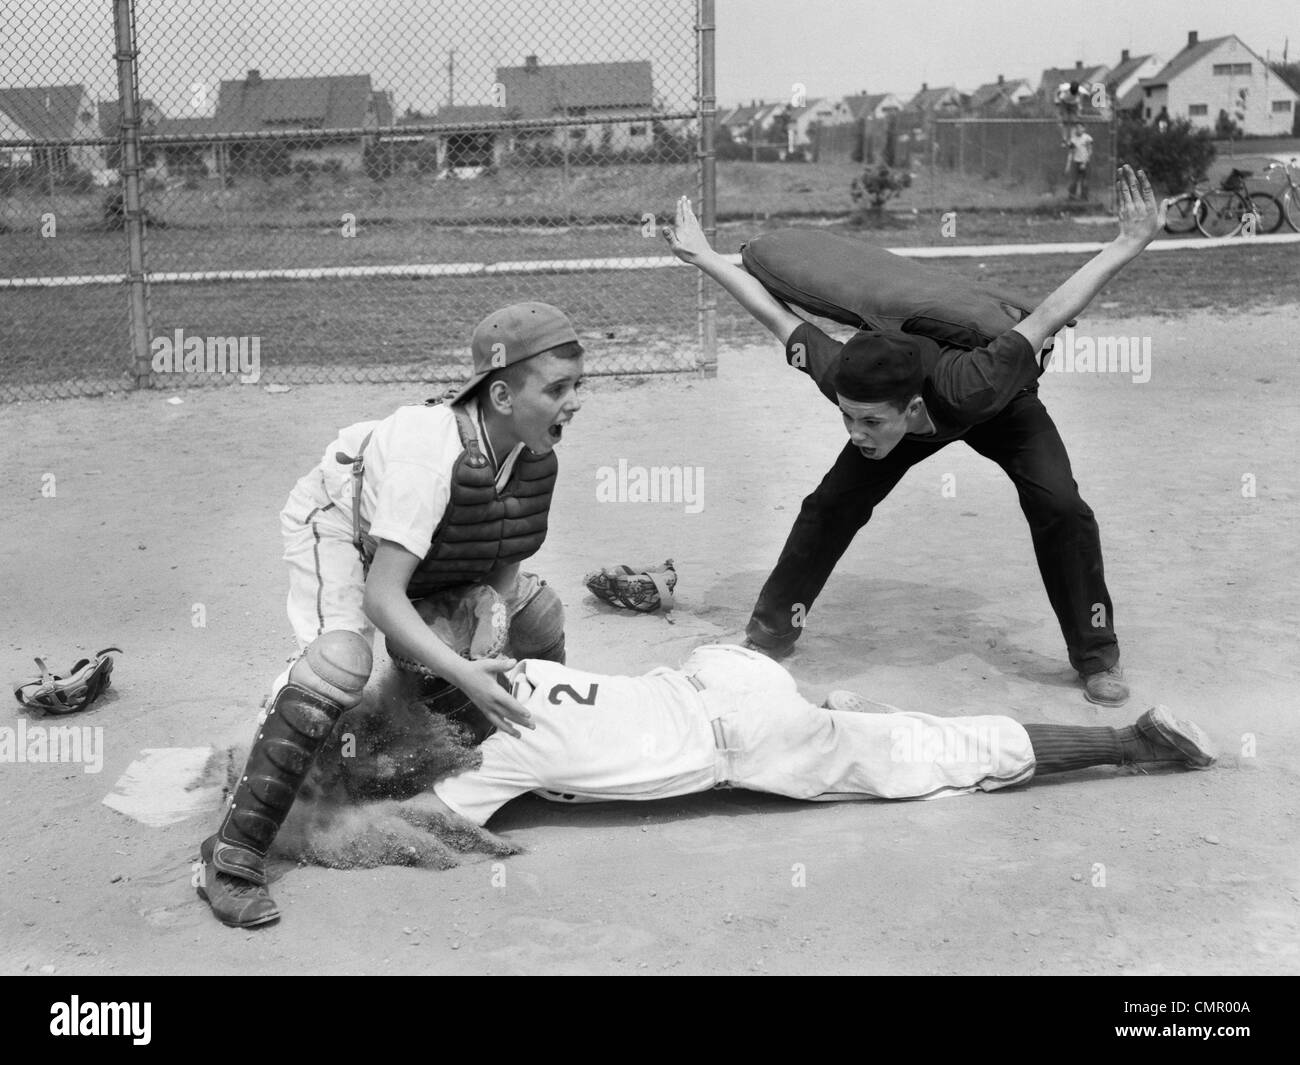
[128, 91]
[707, 110]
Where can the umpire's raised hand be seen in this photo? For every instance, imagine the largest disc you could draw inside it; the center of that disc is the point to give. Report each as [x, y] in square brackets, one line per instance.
[686, 236]
[1141, 216]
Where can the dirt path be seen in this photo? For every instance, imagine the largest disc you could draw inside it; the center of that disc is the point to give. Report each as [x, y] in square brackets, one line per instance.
[938, 607]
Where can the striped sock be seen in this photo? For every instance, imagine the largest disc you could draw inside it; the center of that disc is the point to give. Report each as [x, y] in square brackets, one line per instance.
[1060, 748]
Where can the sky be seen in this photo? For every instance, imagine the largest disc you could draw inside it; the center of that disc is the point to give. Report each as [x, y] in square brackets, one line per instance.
[764, 47]
[836, 47]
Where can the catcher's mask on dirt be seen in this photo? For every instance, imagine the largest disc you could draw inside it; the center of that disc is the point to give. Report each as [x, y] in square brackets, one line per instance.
[66, 695]
[473, 621]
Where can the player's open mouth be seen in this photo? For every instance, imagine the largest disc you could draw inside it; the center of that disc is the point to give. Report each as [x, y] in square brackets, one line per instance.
[556, 431]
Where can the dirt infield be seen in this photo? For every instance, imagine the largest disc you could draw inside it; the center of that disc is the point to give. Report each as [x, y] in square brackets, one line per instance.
[159, 509]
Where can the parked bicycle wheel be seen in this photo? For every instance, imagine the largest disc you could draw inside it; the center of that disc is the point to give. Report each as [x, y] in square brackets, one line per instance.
[1268, 210]
[1219, 212]
[1180, 214]
[1291, 209]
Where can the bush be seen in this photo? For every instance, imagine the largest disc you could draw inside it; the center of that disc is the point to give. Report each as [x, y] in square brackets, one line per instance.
[1174, 160]
[879, 184]
[1225, 128]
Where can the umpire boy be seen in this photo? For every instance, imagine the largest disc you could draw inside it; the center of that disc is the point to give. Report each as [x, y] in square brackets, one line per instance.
[902, 400]
[438, 498]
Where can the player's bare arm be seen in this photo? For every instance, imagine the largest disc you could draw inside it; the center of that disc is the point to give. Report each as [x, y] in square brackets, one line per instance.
[687, 240]
[387, 606]
[1140, 219]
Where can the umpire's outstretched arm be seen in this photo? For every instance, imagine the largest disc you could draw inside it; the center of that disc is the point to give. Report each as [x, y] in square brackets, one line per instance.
[1140, 219]
[688, 243]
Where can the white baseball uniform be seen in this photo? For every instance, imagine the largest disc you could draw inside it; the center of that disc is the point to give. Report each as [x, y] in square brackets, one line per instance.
[740, 723]
[410, 461]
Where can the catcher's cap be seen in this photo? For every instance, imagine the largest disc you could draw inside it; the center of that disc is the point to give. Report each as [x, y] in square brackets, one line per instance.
[470, 619]
[513, 334]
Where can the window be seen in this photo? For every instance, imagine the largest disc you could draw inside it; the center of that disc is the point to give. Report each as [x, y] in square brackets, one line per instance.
[577, 134]
[636, 131]
[1148, 112]
[1281, 105]
[1198, 109]
[1231, 68]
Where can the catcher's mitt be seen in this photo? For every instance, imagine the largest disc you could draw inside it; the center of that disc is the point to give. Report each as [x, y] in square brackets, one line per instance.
[470, 619]
[66, 695]
[644, 589]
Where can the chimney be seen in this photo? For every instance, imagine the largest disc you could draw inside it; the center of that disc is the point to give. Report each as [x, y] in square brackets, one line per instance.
[924, 87]
[1191, 38]
[1078, 64]
[530, 64]
[254, 78]
[1123, 56]
[999, 79]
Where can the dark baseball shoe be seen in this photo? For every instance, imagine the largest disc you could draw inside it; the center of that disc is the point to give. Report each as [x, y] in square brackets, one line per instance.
[235, 901]
[1106, 688]
[1172, 739]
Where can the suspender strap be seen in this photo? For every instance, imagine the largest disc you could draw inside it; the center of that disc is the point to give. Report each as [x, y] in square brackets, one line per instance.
[358, 479]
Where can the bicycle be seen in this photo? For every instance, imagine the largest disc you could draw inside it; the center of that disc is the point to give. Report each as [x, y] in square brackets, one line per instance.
[1226, 211]
[1290, 197]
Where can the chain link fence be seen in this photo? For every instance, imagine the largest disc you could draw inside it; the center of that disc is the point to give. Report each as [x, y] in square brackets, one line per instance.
[1026, 150]
[339, 193]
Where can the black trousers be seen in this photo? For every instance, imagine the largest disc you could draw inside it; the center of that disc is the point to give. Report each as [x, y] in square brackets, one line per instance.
[1023, 440]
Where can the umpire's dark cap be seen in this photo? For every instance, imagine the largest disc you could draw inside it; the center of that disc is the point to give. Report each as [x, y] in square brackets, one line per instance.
[876, 367]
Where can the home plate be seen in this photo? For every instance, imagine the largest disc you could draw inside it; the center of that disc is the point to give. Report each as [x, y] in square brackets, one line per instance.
[165, 785]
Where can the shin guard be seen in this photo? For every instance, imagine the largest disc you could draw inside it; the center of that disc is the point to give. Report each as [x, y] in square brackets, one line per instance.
[325, 682]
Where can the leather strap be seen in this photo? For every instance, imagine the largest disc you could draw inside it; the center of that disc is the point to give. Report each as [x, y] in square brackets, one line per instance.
[358, 481]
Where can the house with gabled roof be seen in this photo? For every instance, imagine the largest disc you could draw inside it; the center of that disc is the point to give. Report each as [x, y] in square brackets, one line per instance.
[1221, 75]
[110, 126]
[944, 102]
[332, 112]
[598, 91]
[867, 105]
[742, 122]
[50, 113]
[1122, 81]
[820, 111]
[999, 97]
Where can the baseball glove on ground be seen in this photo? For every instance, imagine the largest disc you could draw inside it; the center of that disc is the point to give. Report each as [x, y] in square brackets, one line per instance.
[644, 589]
[66, 695]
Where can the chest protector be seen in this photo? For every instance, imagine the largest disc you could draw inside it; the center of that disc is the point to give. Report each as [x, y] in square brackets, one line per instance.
[483, 529]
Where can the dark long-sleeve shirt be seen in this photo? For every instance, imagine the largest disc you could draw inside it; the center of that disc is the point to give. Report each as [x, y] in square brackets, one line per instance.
[961, 388]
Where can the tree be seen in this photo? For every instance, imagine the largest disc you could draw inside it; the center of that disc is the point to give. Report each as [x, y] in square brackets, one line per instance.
[1174, 160]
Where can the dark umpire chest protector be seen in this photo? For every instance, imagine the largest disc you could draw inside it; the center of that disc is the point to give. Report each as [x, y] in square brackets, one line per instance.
[484, 529]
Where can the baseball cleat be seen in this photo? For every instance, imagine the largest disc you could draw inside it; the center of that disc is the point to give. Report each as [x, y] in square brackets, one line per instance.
[235, 902]
[1176, 740]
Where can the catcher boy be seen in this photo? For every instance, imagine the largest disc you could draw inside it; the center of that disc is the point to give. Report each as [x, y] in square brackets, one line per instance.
[433, 497]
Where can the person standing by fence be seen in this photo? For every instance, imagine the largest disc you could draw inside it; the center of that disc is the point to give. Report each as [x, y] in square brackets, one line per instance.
[1077, 159]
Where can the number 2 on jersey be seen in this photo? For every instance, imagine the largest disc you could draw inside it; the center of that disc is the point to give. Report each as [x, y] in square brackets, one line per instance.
[568, 689]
